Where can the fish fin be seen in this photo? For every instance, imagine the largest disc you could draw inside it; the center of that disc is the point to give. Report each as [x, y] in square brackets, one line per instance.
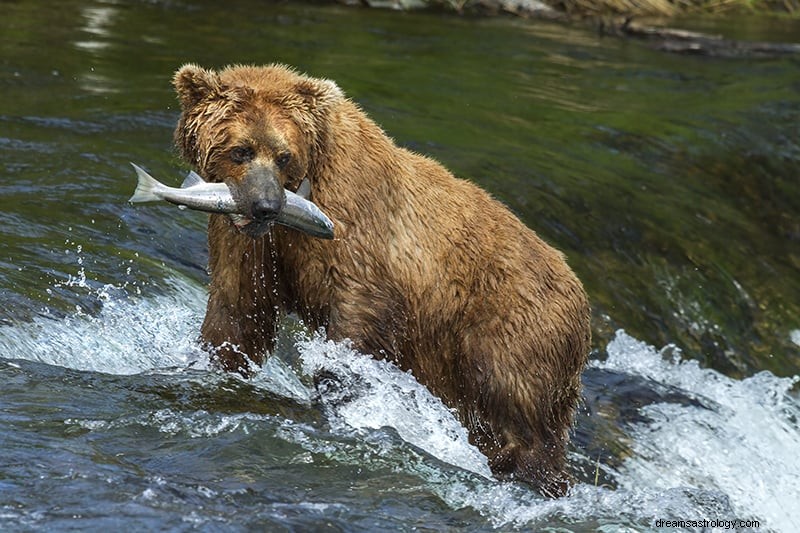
[145, 188]
[192, 179]
[304, 190]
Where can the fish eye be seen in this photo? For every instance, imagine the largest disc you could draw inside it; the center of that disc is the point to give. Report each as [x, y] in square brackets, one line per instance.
[283, 159]
[242, 154]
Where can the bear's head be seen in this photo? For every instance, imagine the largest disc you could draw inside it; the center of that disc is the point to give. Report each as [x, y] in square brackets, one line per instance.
[257, 129]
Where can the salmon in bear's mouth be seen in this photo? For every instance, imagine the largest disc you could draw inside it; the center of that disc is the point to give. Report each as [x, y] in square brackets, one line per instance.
[297, 213]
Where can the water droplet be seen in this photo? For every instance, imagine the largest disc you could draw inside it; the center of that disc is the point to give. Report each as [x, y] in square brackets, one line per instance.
[795, 336]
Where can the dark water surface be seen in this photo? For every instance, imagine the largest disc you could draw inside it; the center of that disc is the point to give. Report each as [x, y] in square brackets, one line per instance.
[672, 183]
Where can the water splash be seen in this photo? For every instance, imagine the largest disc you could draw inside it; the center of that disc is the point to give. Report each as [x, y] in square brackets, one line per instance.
[732, 453]
[372, 394]
[742, 441]
[127, 336]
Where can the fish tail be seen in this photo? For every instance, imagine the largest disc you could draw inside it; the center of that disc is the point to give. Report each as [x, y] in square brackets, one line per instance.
[145, 189]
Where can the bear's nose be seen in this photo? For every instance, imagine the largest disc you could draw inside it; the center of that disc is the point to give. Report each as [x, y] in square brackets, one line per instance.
[266, 209]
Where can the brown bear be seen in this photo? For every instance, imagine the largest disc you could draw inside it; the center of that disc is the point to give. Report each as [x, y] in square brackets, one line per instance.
[425, 269]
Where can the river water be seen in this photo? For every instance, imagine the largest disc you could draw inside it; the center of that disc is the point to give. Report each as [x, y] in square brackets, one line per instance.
[670, 182]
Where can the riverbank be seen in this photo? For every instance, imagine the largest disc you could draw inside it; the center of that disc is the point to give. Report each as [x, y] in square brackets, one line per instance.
[590, 8]
[653, 21]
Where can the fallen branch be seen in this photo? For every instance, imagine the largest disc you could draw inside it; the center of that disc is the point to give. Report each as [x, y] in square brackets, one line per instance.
[689, 42]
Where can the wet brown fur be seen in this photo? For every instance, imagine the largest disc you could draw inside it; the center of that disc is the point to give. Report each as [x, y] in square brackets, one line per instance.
[426, 270]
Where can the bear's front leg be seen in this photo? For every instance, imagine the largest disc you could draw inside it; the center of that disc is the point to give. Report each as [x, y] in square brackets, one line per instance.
[237, 340]
[241, 317]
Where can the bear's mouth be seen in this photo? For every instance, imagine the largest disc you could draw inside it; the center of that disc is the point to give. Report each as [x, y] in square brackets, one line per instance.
[250, 227]
[297, 212]
[240, 221]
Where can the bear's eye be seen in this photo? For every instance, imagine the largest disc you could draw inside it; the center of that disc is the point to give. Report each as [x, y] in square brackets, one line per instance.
[242, 154]
[283, 159]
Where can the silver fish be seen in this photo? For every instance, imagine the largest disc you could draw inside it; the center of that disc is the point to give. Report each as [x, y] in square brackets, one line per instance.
[195, 193]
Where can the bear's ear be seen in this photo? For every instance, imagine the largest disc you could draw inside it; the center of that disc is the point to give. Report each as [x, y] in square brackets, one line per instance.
[318, 92]
[194, 83]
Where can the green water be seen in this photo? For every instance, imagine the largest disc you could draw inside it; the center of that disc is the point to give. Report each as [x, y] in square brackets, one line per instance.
[672, 184]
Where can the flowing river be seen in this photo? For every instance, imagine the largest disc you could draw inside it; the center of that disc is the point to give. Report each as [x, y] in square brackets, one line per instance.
[671, 182]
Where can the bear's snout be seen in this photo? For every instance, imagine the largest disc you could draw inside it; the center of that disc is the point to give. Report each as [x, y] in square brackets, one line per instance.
[266, 209]
[260, 194]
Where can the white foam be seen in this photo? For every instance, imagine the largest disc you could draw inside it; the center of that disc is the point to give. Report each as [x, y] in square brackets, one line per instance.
[129, 335]
[743, 441]
[732, 454]
[381, 395]
[195, 424]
